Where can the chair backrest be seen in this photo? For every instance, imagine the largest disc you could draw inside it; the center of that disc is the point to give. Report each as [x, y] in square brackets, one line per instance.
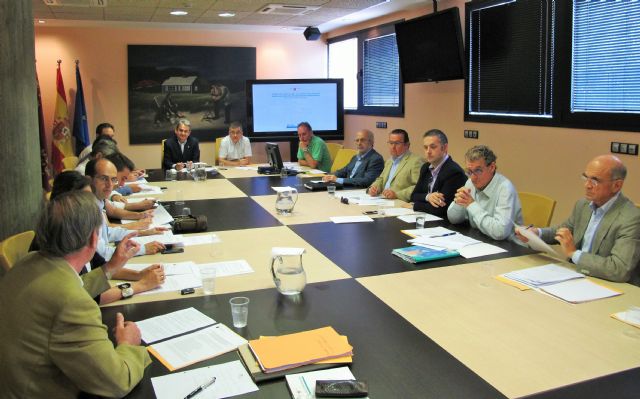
[15, 248]
[536, 209]
[70, 163]
[162, 153]
[333, 149]
[217, 150]
[343, 157]
[638, 205]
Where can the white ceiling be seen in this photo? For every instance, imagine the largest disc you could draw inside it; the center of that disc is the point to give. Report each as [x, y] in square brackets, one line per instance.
[331, 14]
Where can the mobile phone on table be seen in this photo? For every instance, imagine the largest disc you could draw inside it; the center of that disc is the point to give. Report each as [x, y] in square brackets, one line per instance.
[370, 212]
[171, 249]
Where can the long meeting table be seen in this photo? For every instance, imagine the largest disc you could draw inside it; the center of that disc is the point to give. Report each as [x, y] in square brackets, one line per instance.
[440, 329]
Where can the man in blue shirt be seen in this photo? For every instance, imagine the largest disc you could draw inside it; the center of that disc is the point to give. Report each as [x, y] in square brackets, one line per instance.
[363, 168]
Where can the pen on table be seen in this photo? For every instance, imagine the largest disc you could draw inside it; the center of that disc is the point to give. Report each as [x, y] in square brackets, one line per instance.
[528, 227]
[443, 235]
[200, 388]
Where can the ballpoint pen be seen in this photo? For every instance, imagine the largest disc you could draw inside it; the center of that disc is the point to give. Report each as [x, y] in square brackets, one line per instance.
[200, 388]
[443, 235]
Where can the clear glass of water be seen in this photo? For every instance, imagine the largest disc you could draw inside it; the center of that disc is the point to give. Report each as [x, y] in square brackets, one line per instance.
[208, 274]
[331, 189]
[179, 197]
[239, 311]
[420, 222]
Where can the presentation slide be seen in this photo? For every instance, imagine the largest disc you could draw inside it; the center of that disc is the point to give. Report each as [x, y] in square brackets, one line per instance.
[280, 107]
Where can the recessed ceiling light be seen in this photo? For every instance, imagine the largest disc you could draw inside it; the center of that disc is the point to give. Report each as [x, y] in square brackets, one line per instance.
[41, 21]
[227, 14]
[178, 12]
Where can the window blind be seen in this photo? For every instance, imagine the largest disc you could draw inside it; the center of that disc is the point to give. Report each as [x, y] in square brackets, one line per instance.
[381, 72]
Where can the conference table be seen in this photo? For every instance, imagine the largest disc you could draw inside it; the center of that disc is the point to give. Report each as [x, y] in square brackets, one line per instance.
[440, 329]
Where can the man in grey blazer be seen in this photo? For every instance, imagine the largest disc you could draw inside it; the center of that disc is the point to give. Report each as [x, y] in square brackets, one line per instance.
[53, 341]
[364, 167]
[602, 235]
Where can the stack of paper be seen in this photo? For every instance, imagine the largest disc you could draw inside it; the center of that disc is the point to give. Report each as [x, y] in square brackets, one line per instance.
[172, 324]
[293, 350]
[450, 240]
[559, 282]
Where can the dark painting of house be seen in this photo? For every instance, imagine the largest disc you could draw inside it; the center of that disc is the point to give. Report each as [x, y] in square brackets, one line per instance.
[205, 85]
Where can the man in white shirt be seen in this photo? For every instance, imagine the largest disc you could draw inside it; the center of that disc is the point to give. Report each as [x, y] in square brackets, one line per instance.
[488, 200]
[235, 149]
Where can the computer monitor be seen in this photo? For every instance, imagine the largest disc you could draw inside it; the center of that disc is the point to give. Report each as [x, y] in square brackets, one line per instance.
[273, 155]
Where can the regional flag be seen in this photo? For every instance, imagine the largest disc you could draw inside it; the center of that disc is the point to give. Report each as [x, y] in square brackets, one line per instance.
[61, 146]
[44, 156]
[80, 127]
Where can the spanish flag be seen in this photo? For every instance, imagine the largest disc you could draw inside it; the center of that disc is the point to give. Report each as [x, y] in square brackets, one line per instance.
[61, 145]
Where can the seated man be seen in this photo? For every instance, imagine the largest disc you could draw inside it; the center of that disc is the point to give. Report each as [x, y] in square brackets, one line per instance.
[181, 150]
[488, 200]
[439, 178]
[104, 129]
[235, 149]
[102, 147]
[401, 171]
[312, 150]
[363, 168]
[104, 178]
[602, 235]
[54, 342]
[125, 166]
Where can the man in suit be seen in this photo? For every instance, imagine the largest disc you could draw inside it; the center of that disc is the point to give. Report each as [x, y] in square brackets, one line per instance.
[364, 167]
[401, 171]
[181, 150]
[53, 341]
[602, 235]
[488, 200]
[439, 178]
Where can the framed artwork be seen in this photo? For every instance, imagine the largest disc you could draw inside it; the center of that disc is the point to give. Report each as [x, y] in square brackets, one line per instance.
[205, 85]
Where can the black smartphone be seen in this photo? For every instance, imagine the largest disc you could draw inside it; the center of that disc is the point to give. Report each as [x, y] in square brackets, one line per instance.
[187, 291]
[370, 212]
[341, 389]
[171, 249]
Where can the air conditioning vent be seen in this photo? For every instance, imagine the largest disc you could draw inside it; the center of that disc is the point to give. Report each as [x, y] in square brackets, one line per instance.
[75, 3]
[287, 9]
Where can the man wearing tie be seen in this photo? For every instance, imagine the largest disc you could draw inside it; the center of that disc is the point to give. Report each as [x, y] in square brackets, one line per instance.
[602, 235]
[401, 171]
[181, 150]
[439, 178]
[363, 168]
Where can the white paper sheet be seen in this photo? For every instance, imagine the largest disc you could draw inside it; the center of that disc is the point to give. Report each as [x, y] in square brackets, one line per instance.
[172, 324]
[147, 189]
[543, 275]
[281, 189]
[350, 219]
[578, 291]
[537, 244]
[287, 251]
[412, 218]
[398, 211]
[190, 240]
[160, 215]
[141, 180]
[176, 283]
[480, 249]
[231, 380]
[428, 232]
[170, 269]
[198, 346]
[166, 237]
[302, 385]
[229, 268]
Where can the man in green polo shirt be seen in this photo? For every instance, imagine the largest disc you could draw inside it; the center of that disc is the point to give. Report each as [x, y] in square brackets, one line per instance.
[312, 151]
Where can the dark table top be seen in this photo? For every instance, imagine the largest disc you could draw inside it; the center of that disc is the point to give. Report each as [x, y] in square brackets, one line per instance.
[262, 185]
[157, 175]
[396, 359]
[364, 249]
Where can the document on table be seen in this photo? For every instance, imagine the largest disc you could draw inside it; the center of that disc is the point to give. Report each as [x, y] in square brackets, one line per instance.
[479, 249]
[579, 291]
[141, 180]
[230, 267]
[630, 316]
[543, 275]
[428, 231]
[177, 283]
[246, 168]
[192, 348]
[160, 216]
[147, 189]
[282, 189]
[286, 251]
[454, 241]
[412, 218]
[350, 219]
[398, 211]
[303, 385]
[172, 324]
[231, 380]
[170, 269]
[536, 243]
[166, 237]
[190, 240]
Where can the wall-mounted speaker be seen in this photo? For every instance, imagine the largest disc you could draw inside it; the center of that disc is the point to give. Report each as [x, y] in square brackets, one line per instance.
[312, 33]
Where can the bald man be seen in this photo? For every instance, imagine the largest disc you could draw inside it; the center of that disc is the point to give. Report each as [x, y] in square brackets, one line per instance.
[602, 235]
[364, 167]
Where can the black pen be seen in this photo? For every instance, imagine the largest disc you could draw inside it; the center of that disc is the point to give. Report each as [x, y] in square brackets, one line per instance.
[443, 235]
[200, 388]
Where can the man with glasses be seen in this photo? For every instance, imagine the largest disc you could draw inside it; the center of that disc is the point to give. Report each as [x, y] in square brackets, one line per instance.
[104, 178]
[488, 200]
[401, 171]
[439, 178]
[235, 149]
[602, 235]
[363, 168]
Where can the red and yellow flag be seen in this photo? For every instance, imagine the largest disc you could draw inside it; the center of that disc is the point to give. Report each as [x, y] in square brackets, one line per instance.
[61, 145]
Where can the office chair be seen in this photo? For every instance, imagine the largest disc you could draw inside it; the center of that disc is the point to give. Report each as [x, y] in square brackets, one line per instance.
[15, 248]
[343, 157]
[70, 163]
[333, 149]
[217, 150]
[536, 209]
[162, 153]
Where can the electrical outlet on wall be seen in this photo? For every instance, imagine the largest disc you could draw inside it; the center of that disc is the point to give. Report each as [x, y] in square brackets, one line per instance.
[615, 147]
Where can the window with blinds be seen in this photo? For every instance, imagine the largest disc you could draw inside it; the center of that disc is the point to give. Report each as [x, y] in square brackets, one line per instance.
[510, 58]
[381, 72]
[605, 64]
[378, 86]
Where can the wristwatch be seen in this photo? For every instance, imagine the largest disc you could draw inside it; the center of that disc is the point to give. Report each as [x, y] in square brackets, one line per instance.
[126, 289]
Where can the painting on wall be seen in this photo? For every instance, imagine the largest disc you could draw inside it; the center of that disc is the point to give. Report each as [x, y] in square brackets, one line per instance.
[205, 85]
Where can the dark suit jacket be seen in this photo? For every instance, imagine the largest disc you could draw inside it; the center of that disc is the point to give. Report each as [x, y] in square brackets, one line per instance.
[450, 178]
[615, 249]
[370, 168]
[173, 155]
